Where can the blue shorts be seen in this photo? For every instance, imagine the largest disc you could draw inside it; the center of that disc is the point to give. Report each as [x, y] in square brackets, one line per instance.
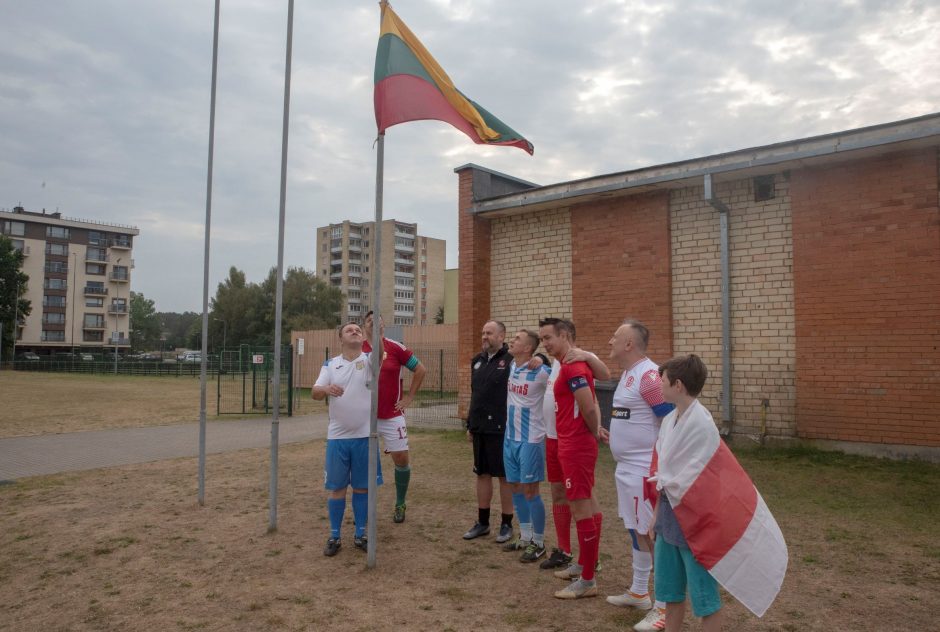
[676, 569]
[524, 462]
[347, 463]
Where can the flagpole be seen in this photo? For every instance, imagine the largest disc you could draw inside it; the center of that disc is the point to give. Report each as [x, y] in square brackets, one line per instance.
[378, 350]
[205, 266]
[279, 297]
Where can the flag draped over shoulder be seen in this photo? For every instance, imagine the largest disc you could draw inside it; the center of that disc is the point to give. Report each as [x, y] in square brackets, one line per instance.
[411, 86]
[726, 523]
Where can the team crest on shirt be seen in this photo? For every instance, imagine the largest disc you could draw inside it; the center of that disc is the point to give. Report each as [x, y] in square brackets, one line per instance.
[629, 381]
[477, 365]
[360, 365]
[502, 364]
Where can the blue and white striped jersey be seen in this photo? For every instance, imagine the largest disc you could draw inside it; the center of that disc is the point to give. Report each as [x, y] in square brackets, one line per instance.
[524, 420]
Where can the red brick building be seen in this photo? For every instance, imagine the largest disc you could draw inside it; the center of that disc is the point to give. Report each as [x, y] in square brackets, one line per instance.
[805, 273]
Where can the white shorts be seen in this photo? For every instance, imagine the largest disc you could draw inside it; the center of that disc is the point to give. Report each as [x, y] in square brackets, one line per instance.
[394, 434]
[637, 513]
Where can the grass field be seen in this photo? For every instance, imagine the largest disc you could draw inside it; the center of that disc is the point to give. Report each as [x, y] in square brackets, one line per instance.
[44, 403]
[128, 549]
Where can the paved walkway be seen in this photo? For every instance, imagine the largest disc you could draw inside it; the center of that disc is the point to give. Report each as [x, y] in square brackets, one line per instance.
[75, 451]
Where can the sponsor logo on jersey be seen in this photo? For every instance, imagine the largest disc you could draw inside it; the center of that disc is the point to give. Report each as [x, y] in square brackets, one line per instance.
[620, 413]
[522, 389]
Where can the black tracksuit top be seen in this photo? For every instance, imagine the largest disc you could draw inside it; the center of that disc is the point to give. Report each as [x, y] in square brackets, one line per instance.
[489, 379]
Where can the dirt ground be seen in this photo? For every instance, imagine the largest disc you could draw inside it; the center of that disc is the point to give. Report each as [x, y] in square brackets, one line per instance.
[128, 549]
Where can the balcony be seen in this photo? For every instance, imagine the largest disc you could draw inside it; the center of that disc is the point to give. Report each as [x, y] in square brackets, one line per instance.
[93, 290]
[97, 257]
[407, 233]
[120, 278]
[98, 325]
[404, 261]
[354, 299]
[403, 248]
[121, 243]
[354, 275]
[353, 248]
[117, 309]
[338, 261]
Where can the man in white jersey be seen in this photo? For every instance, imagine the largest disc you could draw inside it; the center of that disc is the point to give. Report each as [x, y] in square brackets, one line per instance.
[524, 445]
[561, 511]
[638, 409]
[346, 379]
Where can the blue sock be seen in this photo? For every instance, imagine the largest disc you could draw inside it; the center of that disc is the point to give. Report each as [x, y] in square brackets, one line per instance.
[336, 508]
[537, 509]
[522, 507]
[360, 504]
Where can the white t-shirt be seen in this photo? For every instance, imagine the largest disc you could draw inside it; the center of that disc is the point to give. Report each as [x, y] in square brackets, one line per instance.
[351, 412]
[524, 403]
[548, 403]
[634, 425]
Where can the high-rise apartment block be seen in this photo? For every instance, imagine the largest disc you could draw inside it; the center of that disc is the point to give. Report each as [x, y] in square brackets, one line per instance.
[79, 280]
[411, 268]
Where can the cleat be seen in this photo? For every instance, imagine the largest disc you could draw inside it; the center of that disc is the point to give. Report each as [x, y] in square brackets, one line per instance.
[332, 547]
[654, 620]
[557, 559]
[476, 531]
[578, 589]
[515, 545]
[630, 600]
[399, 516]
[361, 542]
[532, 552]
[573, 571]
[505, 533]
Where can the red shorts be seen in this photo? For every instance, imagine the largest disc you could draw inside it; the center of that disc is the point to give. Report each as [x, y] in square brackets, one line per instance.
[553, 465]
[577, 466]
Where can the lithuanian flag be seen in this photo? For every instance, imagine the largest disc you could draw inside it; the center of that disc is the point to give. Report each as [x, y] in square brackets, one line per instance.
[411, 86]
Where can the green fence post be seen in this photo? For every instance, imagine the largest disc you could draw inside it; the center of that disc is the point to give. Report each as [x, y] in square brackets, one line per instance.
[441, 388]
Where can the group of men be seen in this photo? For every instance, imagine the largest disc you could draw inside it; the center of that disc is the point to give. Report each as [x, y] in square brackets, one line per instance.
[527, 414]
[526, 418]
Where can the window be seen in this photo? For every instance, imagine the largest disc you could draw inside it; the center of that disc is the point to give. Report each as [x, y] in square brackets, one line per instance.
[404, 281]
[96, 254]
[404, 307]
[119, 273]
[93, 336]
[97, 239]
[354, 281]
[57, 249]
[94, 320]
[53, 318]
[57, 232]
[94, 302]
[18, 244]
[118, 305]
[52, 336]
[403, 268]
[354, 307]
[763, 188]
[355, 268]
[404, 294]
[53, 301]
[95, 268]
[404, 320]
[337, 232]
[355, 294]
[121, 241]
[17, 229]
[59, 267]
[55, 284]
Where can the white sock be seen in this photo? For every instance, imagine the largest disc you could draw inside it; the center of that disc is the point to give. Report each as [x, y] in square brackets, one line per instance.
[659, 605]
[642, 565]
[525, 531]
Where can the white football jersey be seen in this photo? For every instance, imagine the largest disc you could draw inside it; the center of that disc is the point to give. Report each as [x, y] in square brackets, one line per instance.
[351, 412]
[524, 400]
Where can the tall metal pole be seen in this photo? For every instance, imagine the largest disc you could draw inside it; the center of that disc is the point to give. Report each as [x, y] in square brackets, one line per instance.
[279, 297]
[74, 299]
[378, 350]
[16, 319]
[205, 266]
[117, 295]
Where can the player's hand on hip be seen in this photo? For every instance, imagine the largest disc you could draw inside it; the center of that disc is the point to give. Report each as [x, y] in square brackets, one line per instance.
[403, 403]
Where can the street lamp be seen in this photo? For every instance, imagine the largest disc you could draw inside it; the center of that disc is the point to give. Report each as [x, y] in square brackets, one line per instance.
[117, 295]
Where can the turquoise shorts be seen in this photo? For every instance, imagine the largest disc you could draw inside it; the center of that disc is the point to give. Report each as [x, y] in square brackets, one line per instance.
[675, 569]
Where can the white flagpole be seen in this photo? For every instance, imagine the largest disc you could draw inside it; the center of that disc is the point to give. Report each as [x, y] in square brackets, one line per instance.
[378, 350]
[279, 299]
[205, 267]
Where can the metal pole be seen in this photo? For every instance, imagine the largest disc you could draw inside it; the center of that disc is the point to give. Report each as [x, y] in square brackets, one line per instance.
[117, 295]
[377, 351]
[74, 300]
[279, 298]
[727, 415]
[205, 265]
[16, 319]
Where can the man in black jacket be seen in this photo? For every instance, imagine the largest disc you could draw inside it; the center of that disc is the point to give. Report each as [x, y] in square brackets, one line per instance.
[486, 425]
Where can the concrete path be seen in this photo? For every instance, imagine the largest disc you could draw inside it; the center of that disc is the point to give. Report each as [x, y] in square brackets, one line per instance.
[75, 451]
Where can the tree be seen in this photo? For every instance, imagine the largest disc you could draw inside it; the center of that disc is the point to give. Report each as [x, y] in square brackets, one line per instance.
[145, 325]
[240, 305]
[439, 316]
[174, 327]
[13, 284]
[309, 303]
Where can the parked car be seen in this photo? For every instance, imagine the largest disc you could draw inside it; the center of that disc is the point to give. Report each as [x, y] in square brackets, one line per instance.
[87, 357]
[190, 357]
[28, 356]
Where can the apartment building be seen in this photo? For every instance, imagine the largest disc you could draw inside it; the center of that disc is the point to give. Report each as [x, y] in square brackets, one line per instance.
[79, 280]
[411, 269]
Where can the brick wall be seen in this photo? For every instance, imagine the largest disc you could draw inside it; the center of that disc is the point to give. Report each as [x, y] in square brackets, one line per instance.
[531, 268]
[620, 267]
[866, 246]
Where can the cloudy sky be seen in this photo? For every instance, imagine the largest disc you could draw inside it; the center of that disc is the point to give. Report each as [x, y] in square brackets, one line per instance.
[104, 106]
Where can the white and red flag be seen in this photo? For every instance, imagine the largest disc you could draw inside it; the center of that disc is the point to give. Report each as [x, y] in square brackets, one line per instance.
[726, 523]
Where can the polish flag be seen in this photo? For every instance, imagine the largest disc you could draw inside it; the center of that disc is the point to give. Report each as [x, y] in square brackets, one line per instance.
[726, 523]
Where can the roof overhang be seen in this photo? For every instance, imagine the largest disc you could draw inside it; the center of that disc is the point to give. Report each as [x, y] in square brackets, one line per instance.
[864, 142]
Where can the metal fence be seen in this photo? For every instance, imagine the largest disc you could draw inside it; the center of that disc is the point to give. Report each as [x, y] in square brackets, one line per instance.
[124, 367]
[245, 379]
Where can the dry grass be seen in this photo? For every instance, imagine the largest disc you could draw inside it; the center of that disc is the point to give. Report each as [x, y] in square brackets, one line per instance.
[128, 549]
[45, 403]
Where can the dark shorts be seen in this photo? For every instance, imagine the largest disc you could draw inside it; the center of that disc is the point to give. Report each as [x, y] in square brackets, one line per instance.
[488, 455]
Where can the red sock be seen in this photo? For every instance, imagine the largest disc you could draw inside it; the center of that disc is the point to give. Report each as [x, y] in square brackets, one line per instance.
[587, 545]
[562, 515]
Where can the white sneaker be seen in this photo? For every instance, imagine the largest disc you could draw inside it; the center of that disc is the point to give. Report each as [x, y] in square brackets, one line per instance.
[630, 600]
[578, 589]
[654, 620]
[572, 572]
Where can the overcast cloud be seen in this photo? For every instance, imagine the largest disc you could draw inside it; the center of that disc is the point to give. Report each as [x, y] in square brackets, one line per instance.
[107, 103]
